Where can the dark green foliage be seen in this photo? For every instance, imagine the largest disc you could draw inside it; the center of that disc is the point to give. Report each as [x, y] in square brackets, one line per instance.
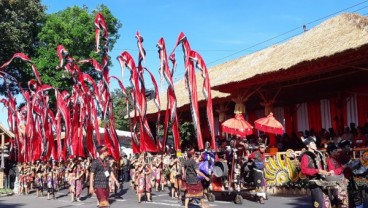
[74, 29]
[120, 109]
[20, 23]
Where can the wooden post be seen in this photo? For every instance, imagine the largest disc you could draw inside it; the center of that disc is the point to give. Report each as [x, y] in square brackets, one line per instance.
[2, 161]
[2, 150]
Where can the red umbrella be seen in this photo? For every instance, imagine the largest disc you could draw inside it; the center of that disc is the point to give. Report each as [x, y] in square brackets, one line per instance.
[237, 126]
[269, 124]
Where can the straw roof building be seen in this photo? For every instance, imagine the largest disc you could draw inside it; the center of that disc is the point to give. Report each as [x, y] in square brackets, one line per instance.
[333, 52]
[346, 32]
[182, 96]
[8, 134]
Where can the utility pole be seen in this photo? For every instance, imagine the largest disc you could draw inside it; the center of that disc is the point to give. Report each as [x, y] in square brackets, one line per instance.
[2, 161]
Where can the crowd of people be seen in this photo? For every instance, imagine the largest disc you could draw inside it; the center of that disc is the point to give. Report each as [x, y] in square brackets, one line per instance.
[181, 176]
[331, 174]
[178, 174]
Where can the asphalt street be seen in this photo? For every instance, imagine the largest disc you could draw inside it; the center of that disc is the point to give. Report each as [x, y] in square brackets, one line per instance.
[127, 198]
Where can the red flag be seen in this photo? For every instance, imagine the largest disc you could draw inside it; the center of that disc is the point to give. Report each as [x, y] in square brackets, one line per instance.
[192, 86]
[100, 25]
[139, 100]
[170, 115]
[196, 57]
[24, 58]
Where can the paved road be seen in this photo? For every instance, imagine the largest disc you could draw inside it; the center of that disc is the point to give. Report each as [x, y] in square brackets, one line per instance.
[129, 199]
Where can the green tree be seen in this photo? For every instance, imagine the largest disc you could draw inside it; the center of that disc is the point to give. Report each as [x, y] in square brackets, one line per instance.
[187, 135]
[186, 132]
[20, 23]
[120, 109]
[74, 29]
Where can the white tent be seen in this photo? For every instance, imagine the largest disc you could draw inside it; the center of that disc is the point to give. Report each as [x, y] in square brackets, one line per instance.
[124, 140]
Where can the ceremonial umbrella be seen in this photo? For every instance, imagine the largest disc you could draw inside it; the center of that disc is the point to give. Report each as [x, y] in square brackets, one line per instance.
[237, 126]
[270, 125]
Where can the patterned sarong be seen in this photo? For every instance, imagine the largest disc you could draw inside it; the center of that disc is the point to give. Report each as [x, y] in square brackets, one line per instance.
[194, 190]
[102, 195]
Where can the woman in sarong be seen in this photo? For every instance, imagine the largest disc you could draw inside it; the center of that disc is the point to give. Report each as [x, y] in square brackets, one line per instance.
[27, 178]
[174, 171]
[39, 179]
[144, 184]
[153, 173]
[51, 181]
[21, 179]
[113, 168]
[76, 172]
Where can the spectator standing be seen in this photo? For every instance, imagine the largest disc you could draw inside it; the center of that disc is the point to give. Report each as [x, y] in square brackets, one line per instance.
[360, 140]
[125, 164]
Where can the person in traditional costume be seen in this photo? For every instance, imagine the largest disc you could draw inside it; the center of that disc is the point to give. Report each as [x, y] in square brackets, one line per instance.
[144, 181]
[125, 168]
[339, 193]
[27, 178]
[113, 168]
[313, 165]
[174, 173]
[21, 178]
[99, 178]
[258, 158]
[87, 169]
[133, 167]
[165, 171]
[345, 157]
[158, 174]
[76, 180]
[190, 170]
[32, 175]
[39, 179]
[51, 179]
[72, 171]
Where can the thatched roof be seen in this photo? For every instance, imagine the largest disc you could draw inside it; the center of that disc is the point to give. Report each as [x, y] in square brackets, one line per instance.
[7, 132]
[182, 95]
[338, 34]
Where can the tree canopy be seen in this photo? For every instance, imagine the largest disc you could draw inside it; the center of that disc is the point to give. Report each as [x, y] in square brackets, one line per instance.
[20, 23]
[74, 29]
[120, 108]
[26, 28]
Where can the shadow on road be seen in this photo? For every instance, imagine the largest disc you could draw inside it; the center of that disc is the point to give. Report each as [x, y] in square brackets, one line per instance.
[3, 204]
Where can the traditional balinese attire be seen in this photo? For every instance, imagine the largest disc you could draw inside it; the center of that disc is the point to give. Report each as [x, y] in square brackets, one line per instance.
[144, 181]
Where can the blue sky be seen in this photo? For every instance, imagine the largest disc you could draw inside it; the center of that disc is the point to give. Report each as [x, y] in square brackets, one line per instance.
[220, 30]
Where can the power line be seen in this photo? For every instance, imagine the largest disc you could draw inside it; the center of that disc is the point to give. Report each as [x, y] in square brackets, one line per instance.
[287, 32]
[151, 50]
[277, 36]
[282, 34]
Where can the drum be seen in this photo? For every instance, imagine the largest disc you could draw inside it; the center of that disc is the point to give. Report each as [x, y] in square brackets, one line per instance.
[221, 169]
[216, 185]
[353, 164]
[325, 184]
[356, 167]
[336, 178]
[329, 181]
